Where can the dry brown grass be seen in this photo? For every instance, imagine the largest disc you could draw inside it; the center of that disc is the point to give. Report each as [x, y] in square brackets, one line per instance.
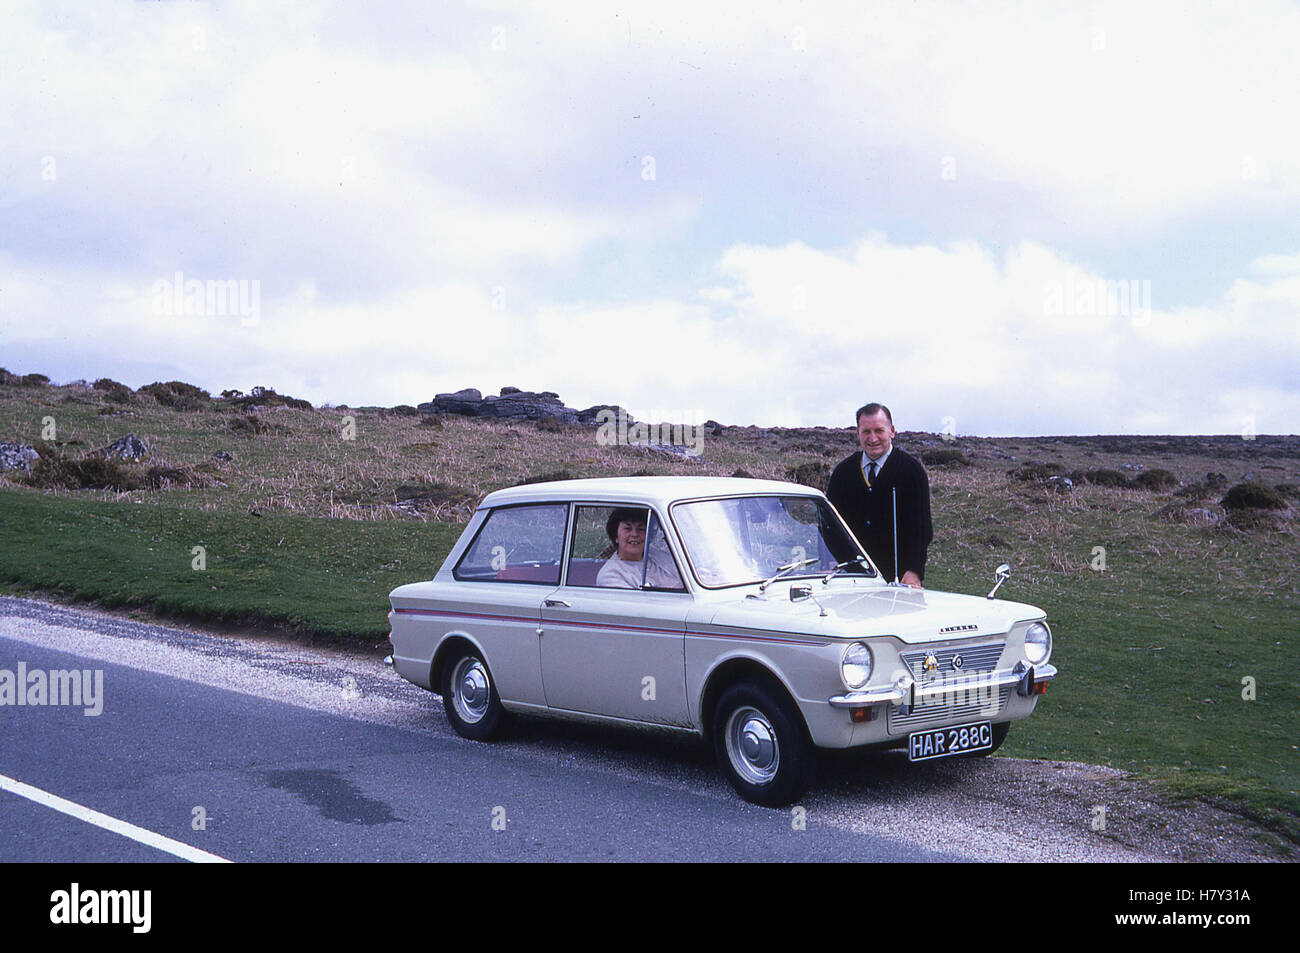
[381, 465]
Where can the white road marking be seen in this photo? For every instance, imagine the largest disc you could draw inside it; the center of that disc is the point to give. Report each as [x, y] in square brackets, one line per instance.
[83, 813]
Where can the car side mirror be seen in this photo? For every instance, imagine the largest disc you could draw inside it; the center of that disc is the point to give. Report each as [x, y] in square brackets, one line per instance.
[1000, 575]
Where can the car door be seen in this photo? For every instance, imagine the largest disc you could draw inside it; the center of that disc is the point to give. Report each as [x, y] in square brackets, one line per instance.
[610, 650]
[504, 574]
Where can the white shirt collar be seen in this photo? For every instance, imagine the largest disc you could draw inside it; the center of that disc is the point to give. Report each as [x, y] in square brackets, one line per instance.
[880, 464]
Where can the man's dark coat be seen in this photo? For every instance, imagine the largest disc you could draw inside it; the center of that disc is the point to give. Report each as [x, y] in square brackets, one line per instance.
[869, 512]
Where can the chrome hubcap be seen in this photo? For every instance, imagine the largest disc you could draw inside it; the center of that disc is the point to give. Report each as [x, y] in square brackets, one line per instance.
[752, 745]
[471, 689]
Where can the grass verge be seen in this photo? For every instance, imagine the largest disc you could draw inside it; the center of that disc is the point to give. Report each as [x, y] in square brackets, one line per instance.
[317, 576]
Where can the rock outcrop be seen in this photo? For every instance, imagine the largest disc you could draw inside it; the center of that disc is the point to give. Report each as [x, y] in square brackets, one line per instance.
[515, 404]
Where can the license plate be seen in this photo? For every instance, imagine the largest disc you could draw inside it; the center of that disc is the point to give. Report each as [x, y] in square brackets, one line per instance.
[942, 742]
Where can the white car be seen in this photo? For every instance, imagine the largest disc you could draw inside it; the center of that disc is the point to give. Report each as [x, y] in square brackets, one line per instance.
[741, 610]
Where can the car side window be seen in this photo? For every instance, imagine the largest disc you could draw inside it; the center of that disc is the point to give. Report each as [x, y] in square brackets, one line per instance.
[662, 569]
[620, 547]
[517, 544]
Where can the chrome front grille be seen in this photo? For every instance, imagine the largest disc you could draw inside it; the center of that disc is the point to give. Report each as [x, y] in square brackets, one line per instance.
[976, 658]
[967, 707]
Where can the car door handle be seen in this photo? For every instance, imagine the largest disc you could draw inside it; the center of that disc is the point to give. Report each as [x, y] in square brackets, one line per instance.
[556, 604]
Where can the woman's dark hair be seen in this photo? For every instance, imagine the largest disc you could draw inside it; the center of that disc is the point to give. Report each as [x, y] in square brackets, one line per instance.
[620, 514]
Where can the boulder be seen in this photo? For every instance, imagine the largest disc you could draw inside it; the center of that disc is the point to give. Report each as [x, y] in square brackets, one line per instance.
[466, 402]
[592, 415]
[17, 456]
[1061, 484]
[129, 447]
[524, 405]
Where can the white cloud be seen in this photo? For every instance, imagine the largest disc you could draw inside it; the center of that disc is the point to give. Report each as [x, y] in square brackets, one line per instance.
[1120, 117]
[961, 332]
[433, 199]
[1288, 265]
[215, 139]
[934, 332]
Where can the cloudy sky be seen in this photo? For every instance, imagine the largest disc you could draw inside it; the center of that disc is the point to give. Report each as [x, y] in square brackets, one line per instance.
[1018, 219]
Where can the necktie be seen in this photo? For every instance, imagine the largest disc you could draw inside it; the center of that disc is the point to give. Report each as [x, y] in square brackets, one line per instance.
[871, 473]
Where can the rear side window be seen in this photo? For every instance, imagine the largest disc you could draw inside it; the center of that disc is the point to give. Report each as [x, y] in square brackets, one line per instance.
[517, 544]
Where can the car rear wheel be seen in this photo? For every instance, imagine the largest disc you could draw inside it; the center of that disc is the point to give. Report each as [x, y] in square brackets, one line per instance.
[470, 697]
[761, 746]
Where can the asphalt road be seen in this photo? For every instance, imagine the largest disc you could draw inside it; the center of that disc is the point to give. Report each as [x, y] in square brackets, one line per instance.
[253, 749]
[270, 780]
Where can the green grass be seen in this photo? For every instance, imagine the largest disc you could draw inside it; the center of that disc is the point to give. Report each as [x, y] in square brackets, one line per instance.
[318, 576]
[1153, 650]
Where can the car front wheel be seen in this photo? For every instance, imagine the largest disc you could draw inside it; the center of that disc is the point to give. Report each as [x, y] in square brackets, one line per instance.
[760, 744]
[470, 698]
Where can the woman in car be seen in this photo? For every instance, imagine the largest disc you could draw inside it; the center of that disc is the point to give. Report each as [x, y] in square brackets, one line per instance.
[626, 568]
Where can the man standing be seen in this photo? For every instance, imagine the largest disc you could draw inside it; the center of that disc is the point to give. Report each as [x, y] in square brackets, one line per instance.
[864, 488]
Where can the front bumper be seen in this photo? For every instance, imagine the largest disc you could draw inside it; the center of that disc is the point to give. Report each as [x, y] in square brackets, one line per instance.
[906, 692]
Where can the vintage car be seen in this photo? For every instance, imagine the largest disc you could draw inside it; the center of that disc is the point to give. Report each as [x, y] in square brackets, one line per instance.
[741, 610]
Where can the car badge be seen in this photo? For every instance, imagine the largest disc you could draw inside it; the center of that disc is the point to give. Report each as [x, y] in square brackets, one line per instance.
[957, 661]
[931, 663]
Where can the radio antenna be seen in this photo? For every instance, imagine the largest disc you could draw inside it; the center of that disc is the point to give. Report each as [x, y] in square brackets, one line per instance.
[895, 492]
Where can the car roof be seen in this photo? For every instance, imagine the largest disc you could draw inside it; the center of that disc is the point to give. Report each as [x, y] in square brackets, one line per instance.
[655, 490]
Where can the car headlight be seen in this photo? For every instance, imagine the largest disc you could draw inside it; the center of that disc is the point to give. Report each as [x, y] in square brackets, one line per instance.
[856, 667]
[1038, 643]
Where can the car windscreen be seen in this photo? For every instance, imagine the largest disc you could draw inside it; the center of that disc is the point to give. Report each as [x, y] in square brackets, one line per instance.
[743, 540]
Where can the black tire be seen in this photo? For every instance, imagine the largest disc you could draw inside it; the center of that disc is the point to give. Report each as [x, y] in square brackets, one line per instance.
[761, 745]
[999, 735]
[469, 696]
